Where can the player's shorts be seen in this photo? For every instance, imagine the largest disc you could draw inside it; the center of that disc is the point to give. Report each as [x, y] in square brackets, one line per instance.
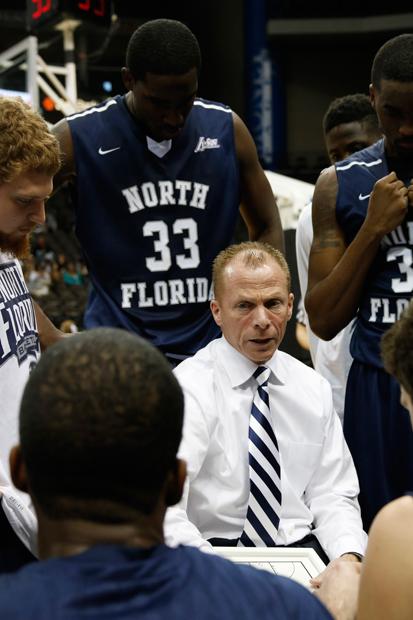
[378, 432]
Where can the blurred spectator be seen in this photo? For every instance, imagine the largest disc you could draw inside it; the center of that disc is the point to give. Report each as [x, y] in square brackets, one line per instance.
[61, 260]
[72, 275]
[55, 275]
[69, 327]
[58, 275]
[37, 277]
[41, 249]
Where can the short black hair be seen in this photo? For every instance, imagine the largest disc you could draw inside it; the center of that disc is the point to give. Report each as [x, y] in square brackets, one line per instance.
[100, 420]
[394, 61]
[348, 109]
[163, 47]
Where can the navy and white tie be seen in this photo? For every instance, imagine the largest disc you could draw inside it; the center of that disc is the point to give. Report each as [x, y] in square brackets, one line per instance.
[264, 505]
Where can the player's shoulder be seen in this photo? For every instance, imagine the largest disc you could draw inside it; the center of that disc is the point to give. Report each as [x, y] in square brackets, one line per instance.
[206, 106]
[25, 593]
[396, 514]
[257, 592]
[96, 111]
[366, 158]
[6, 258]
[213, 124]
[325, 186]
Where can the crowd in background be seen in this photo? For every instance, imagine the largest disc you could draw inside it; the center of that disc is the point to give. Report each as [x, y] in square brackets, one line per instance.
[56, 273]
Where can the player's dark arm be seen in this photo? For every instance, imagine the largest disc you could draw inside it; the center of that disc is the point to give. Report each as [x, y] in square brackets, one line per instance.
[67, 170]
[258, 205]
[48, 333]
[337, 273]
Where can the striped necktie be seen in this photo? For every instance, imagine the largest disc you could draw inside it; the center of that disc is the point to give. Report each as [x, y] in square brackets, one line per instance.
[264, 504]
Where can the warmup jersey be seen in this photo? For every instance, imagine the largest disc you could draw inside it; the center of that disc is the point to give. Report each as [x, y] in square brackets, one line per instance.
[19, 353]
[389, 283]
[117, 582]
[151, 226]
[19, 349]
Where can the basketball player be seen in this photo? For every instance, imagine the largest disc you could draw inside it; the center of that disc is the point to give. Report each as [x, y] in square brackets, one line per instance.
[100, 425]
[29, 157]
[361, 263]
[349, 125]
[159, 176]
[385, 585]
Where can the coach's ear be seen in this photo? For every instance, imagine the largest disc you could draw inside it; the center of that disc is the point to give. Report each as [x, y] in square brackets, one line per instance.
[216, 311]
[18, 469]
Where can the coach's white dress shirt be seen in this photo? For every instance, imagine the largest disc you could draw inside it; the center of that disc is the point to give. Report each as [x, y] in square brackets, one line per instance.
[318, 479]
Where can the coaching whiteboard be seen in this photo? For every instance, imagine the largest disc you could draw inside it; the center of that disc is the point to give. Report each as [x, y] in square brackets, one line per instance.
[297, 563]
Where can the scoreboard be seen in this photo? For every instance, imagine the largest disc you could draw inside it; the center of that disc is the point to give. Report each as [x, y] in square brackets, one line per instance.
[40, 13]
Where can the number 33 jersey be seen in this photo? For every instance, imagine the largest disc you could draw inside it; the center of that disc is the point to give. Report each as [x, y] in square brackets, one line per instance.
[389, 283]
[151, 217]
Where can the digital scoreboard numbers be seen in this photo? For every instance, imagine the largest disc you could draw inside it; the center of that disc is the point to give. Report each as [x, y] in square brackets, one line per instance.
[40, 13]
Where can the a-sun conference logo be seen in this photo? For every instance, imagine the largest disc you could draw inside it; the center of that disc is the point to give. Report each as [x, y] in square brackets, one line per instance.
[207, 143]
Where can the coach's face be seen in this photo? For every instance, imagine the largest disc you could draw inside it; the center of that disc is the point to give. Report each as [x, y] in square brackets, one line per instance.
[162, 102]
[252, 307]
[22, 208]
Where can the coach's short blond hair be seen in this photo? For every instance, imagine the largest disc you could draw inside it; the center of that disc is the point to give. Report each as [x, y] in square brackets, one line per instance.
[254, 254]
[26, 142]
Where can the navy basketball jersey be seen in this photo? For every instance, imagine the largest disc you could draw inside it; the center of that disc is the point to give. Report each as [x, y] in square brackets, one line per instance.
[389, 283]
[151, 224]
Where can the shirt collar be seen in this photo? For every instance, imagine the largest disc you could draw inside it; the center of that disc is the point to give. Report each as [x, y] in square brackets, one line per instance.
[240, 369]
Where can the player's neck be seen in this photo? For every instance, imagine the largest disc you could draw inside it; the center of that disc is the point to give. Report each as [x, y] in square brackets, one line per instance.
[402, 167]
[65, 537]
[130, 103]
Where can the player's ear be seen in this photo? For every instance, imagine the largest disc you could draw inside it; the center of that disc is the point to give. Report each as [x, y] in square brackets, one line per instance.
[216, 312]
[372, 93]
[18, 469]
[127, 78]
[175, 483]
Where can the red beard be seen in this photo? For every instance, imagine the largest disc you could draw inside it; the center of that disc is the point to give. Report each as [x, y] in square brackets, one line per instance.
[20, 247]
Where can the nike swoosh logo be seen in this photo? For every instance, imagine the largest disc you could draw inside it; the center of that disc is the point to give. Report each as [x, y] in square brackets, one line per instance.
[364, 196]
[105, 152]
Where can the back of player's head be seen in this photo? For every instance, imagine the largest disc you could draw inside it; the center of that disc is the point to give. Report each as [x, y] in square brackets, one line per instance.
[26, 144]
[163, 47]
[348, 109]
[100, 421]
[394, 61]
[397, 350]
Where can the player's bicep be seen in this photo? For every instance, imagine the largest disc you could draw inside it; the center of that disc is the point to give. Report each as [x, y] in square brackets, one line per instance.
[258, 205]
[328, 243]
[254, 185]
[63, 134]
[385, 586]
